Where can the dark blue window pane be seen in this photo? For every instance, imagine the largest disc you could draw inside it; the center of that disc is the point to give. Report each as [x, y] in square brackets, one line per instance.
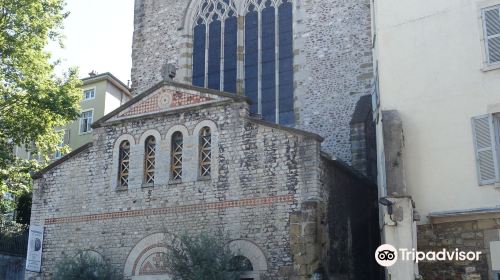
[251, 59]
[286, 64]
[268, 65]
[199, 55]
[230, 53]
[214, 52]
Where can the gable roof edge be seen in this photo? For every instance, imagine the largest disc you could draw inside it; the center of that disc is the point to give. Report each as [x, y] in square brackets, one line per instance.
[235, 97]
[58, 162]
[287, 129]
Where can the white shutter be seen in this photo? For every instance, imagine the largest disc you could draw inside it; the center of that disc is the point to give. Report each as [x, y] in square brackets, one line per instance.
[491, 23]
[486, 154]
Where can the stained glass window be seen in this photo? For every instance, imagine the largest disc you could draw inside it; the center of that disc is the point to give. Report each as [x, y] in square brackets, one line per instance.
[149, 160]
[252, 58]
[176, 161]
[267, 73]
[199, 54]
[124, 164]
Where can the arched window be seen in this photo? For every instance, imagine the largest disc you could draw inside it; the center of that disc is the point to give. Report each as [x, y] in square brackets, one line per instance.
[149, 160]
[176, 160]
[124, 164]
[205, 146]
[267, 75]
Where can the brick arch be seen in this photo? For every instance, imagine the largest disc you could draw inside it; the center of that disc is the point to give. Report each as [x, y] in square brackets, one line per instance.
[188, 152]
[215, 141]
[253, 253]
[116, 152]
[143, 251]
[160, 151]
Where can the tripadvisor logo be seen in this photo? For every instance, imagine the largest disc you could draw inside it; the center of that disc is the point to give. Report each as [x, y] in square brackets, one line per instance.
[387, 255]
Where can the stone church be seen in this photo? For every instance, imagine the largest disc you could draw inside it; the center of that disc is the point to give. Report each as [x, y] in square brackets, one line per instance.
[252, 136]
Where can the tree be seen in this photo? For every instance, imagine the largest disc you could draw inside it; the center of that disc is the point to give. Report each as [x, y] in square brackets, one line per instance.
[84, 266]
[203, 257]
[33, 101]
[23, 208]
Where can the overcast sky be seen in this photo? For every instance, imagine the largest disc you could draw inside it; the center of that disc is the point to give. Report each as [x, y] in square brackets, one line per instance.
[98, 37]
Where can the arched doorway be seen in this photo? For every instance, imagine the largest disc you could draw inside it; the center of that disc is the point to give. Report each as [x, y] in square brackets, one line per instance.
[249, 258]
[146, 261]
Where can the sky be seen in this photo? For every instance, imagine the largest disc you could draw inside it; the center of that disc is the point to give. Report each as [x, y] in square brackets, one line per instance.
[98, 36]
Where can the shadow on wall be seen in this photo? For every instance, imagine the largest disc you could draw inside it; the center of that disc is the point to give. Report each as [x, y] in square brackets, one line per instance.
[354, 230]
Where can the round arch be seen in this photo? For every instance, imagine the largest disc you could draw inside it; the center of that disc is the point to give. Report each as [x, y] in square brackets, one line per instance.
[116, 155]
[253, 253]
[145, 260]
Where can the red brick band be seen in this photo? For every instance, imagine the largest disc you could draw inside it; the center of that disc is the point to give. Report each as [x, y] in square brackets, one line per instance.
[174, 209]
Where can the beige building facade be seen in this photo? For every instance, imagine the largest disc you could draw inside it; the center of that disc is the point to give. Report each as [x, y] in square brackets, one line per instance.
[437, 69]
[101, 94]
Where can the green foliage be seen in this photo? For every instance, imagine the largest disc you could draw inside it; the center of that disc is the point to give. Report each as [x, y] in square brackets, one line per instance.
[23, 209]
[84, 267]
[202, 257]
[33, 101]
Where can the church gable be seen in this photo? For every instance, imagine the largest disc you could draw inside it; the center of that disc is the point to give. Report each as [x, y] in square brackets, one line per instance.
[167, 97]
[164, 99]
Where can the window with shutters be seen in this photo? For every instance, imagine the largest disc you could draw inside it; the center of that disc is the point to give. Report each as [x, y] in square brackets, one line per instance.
[176, 158]
[486, 131]
[266, 75]
[124, 164]
[205, 146]
[491, 26]
[149, 160]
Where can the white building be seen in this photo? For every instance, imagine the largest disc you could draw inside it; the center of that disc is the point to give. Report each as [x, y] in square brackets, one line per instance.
[439, 84]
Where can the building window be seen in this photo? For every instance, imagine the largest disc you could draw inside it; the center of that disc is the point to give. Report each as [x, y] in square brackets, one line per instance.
[124, 164]
[149, 160]
[205, 152]
[491, 25]
[486, 131]
[267, 75]
[86, 121]
[89, 94]
[64, 141]
[176, 165]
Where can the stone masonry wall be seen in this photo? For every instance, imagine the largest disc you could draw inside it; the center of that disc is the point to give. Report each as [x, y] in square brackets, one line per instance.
[263, 176]
[466, 236]
[333, 59]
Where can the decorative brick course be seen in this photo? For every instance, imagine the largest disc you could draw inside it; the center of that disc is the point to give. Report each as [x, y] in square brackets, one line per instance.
[172, 210]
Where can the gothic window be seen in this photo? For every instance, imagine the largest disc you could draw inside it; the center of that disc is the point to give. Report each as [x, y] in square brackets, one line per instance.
[124, 164]
[176, 164]
[215, 45]
[267, 72]
[149, 160]
[205, 152]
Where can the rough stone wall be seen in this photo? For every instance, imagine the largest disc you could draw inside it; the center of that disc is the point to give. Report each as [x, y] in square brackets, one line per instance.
[333, 60]
[264, 175]
[335, 68]
[157, 40]
[465, 236]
